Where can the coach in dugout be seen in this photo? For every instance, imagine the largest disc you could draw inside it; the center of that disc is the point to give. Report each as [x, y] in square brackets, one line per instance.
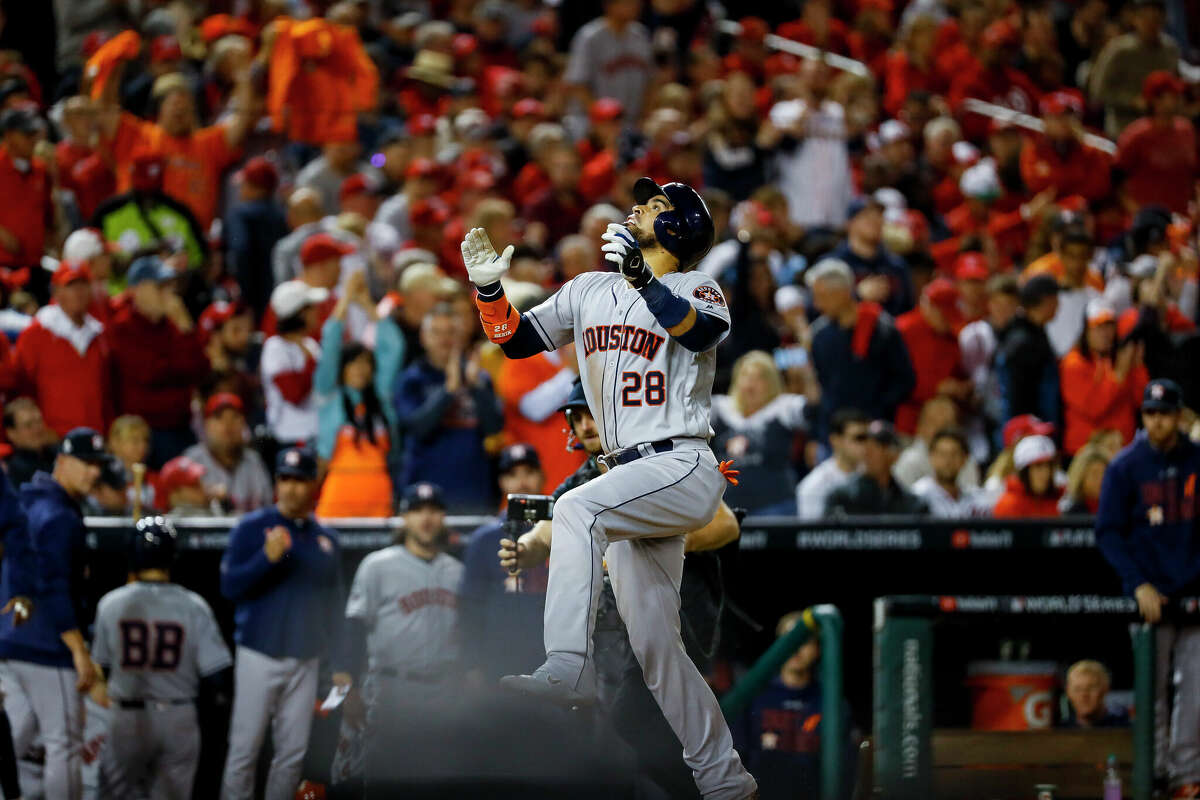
[1146, 528]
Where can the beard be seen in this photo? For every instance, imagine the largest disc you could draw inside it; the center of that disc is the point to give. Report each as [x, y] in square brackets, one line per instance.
[644, 239]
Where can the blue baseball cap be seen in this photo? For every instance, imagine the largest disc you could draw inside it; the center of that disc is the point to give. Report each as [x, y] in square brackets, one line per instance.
[296, 462]
[861, 204]
[84, 444]
[516, 454]
[148, 268]
[422, 494]
[1162, 395]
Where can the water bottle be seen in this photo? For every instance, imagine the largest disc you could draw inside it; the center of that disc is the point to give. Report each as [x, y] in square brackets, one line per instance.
[1112, 780]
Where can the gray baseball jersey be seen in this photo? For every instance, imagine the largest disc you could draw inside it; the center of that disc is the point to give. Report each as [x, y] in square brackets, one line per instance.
[158, 640]
[410, 608]
[641, 385]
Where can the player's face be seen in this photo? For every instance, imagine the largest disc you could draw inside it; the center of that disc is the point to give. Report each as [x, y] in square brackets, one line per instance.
[584, 426]
[1161, 426]
[521, 479]
[76, 476]
[641, 219]
[295, 497]
[424, 524]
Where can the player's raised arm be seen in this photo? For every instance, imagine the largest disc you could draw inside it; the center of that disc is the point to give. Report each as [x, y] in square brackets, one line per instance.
[501, 322]
[670, 226]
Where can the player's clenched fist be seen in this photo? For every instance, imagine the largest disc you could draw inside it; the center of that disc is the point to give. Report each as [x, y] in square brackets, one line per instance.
[623, 252]
[279, 541]
[483, 265]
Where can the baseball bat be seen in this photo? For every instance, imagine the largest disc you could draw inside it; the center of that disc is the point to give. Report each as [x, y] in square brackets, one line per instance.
[139, 479]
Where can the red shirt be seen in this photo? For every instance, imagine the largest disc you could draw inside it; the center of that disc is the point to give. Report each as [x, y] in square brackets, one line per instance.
[1077, 169]
[1018, 503]
[903, 76]
[157, 367]
[84, 173]
[27, 218]
[1160, 162]
[1093, 398]
[72, 390]
[935, 357]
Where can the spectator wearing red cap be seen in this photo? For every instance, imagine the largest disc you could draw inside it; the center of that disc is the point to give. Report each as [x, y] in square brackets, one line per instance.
[428, 217]
[930, 332]
[1101, 383]
[253, 226]
[180, 490]
[81, 169]
[86, 247]
[749, 53]
[1120, 70]
[158, 358]
[420, 183]
[599, 149]
[289, 361]
[559, 208]
[234, 474]
[1031, 492]
[193, 157]
[63, 361]
[327, 172]
[361, 194]
[320, 268]
[226, 329]
[818, 27]
[1059, 157]
[971, 275]
[993, 80]
[611, 57]
[24, 224]
[1157, 152]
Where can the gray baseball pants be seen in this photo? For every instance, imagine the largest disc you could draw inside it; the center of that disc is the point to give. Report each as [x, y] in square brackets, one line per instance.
[155, 748]
[41, 699]
[638, 513]
[1177, 724]
[280, 691]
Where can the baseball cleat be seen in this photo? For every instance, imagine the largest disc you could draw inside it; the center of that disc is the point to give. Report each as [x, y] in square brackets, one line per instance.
[543, 684]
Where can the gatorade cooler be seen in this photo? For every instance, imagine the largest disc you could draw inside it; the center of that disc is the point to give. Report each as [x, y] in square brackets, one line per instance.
[1012, 695]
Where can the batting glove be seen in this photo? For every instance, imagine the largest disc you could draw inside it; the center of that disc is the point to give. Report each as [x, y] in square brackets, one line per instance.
[484, 267]
[623, 253]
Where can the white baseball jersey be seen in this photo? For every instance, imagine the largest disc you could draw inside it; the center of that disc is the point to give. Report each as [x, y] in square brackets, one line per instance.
[410, 608]
[641, 385]
[158, 640]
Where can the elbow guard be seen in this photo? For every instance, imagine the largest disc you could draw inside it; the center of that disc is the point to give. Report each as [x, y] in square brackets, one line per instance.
[497, 315]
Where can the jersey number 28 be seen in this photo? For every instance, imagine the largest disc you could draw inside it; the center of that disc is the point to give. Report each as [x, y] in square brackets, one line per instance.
[655, 388]
[157, 645]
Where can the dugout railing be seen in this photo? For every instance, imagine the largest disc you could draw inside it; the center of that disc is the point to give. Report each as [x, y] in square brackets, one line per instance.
[904, 690]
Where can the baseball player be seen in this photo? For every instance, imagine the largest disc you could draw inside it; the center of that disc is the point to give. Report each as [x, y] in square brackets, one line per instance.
[46, 665]
[645, 340]
[156, 642]
[282, 571]
[402, 615]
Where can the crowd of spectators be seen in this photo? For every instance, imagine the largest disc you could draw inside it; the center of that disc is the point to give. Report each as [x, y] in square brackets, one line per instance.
[238, 229]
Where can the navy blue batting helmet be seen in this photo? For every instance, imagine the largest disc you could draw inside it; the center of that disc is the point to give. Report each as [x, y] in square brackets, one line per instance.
[686, 230]
[152, 545]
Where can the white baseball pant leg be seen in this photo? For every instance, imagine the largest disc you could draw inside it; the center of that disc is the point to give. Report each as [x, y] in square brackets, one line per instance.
[44, 700]
[1183, 750]
[645, 506]
[280, 691]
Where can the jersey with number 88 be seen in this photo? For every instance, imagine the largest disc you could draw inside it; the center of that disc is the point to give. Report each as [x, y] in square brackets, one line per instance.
[641, 385]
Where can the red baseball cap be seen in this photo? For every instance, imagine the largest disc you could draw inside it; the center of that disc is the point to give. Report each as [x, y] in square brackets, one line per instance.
[477, 180]
[218, 313]
[944, 296]
[422, 125]
[464, 45]
[221, 401]
[1024, 425]
[1062, 102]
[429, 212]
[528, 107]
[165, 48]
[356, 184]
[421, 168]
[260, 172]
[322, 247]
[971, 267]
[178, 473]
[1161, 82]
[69, 272]
[606, 109]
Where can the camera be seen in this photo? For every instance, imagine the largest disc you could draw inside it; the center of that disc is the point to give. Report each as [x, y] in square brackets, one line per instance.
[530, 507]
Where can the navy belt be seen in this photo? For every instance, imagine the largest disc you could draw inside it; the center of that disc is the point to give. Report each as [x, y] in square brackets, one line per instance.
[627, 454]
[155, 704]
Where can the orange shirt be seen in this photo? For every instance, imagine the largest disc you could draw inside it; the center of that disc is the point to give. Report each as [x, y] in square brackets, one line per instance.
[193, 163]
[357, 483]
[1094, 399]
[548, 437]
[1051, 264]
